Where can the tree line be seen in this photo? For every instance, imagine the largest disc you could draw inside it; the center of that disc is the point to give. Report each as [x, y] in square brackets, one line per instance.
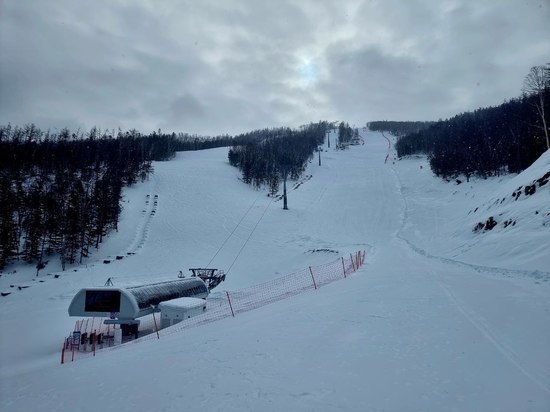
[189, 142]
[60, 193]
[272, 155]
[484, 142]
[346, 135]
[398, 128]
[488, 141]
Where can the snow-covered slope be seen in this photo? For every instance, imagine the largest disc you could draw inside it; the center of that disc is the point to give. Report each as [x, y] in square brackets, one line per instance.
[450, 220]
[438, 318]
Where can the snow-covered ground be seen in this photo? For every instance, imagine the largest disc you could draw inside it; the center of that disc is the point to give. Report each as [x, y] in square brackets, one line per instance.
[439, 319]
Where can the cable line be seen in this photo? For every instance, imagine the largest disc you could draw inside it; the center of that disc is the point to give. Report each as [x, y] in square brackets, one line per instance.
[233, 231]
[249, 236]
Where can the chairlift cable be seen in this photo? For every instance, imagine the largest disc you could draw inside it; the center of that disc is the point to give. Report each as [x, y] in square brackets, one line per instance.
[249, 236]
[233, 231]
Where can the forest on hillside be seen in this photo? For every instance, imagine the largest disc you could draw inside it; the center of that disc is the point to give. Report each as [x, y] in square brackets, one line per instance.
[398, 128]
[506, 138]
[485, 142]
[61, 191]
[273, 155]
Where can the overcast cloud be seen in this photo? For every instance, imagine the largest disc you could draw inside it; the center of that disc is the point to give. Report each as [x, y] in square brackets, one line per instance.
[214, 67]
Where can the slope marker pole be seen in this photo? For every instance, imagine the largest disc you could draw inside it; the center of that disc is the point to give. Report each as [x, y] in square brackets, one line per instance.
[94, 340]
[156, 328]
[230, 305]
[313, 277]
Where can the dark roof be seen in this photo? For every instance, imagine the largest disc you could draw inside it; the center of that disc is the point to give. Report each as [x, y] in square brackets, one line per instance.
[154, 293]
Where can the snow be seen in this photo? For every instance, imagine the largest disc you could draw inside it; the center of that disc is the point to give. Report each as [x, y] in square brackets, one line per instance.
[439, 318]
[441, 217]
[182, 303]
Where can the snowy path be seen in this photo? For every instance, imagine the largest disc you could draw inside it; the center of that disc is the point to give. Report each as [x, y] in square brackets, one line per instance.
[481, 314]
[502, 329]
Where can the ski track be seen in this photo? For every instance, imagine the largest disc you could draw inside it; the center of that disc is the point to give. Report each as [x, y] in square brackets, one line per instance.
[142, 231]
[470, 315]
[536, 274]
[492, 337]
[138, 242]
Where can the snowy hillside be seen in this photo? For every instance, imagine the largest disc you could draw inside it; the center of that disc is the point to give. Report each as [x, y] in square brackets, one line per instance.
[449, 220]
[440, 318]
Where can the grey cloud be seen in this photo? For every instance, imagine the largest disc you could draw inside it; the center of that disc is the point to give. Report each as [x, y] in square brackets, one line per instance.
[458, 56]
[187, 106]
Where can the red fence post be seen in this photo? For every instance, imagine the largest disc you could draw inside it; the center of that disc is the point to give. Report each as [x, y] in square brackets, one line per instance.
[156, 328]
[343, 266]
[230, 305]
[94, 339]
[352, 264]
[313, 277]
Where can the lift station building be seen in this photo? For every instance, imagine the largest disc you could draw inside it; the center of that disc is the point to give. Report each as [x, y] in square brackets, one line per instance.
[125, 305]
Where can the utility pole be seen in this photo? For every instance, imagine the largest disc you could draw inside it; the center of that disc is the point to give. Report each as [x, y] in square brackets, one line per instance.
[285, 205]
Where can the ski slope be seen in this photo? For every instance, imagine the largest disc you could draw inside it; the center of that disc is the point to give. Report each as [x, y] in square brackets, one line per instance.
[439, 318]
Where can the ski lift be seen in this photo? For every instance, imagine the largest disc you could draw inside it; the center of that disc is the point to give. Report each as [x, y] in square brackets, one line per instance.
[212, 277]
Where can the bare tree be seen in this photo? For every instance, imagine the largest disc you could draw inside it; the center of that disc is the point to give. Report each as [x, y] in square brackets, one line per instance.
[537, 82]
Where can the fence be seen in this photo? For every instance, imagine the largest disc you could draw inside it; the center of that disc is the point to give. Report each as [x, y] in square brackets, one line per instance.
[92, 335]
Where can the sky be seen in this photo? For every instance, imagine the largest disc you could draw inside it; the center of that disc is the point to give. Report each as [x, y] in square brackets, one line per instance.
[215, 67]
